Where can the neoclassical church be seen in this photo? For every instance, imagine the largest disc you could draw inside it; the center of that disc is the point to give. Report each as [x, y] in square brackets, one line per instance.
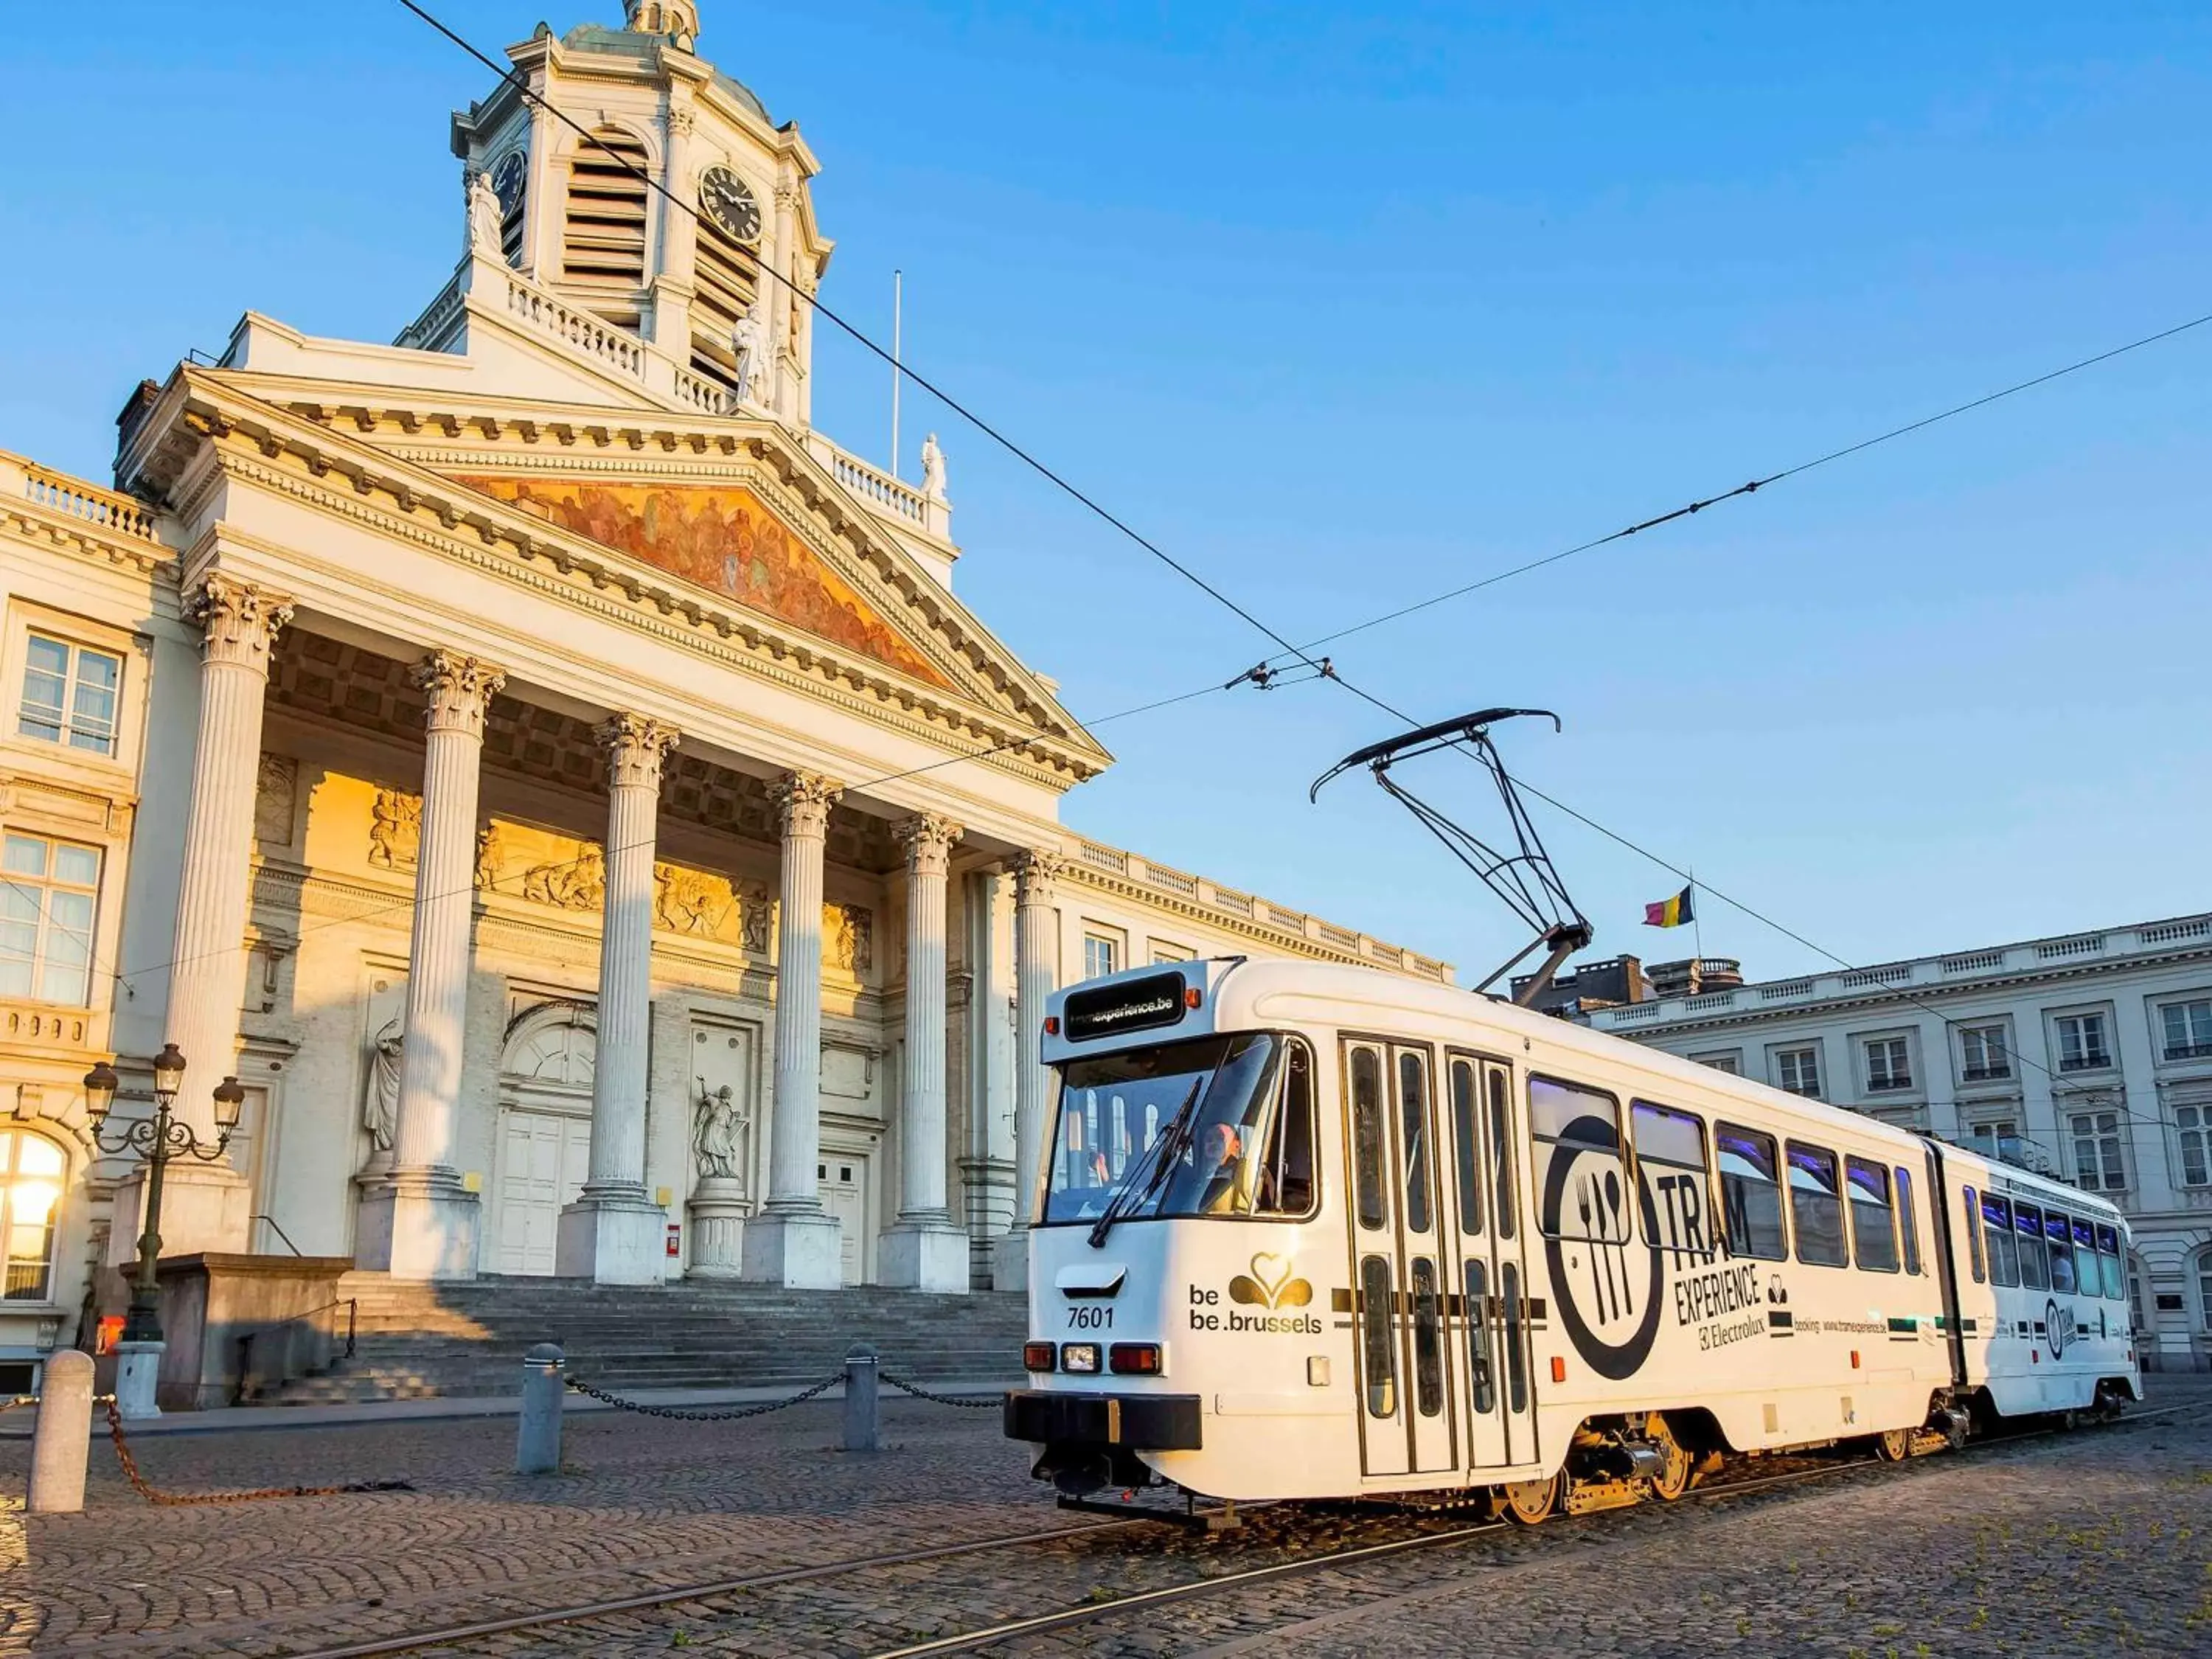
[558, 782]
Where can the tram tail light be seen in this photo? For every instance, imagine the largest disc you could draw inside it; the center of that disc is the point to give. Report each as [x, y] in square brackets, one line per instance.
[1051, 1024]
[1134, 1358]
[1038, 1356]
[1558, 1369]
[1079, 1357]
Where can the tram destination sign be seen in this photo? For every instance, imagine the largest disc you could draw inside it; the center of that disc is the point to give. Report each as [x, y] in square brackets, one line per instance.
[1135, 1005]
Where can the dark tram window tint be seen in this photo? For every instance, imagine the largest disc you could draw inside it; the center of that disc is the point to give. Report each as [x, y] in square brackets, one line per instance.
[2111, 1269]
[1974, 1234]
[2005, 1254]
[1516, 1357]
[1379, 1354]
[1874, 1223]
[1413, 1139]
[1751, 1194]
[1816, 1207]
[1505, 1199]
[2034, 1263]
[1428, 1339]
[1478, 1337]
[1468, 1146]
[2058, 1234]
[1367, 1136]
[1908, 1220]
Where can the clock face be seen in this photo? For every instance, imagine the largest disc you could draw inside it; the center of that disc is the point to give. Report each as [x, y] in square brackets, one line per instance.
[725, 200]
[506, 182]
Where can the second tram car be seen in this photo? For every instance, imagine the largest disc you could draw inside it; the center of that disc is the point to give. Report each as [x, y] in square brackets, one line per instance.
[1306, 1231]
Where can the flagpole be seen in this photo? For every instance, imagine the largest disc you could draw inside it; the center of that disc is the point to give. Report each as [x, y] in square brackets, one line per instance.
[1697, 923]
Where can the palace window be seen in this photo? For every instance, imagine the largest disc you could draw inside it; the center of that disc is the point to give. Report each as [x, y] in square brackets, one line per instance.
[1164, 953]
[1888, 1064]
[48, 892]
[31, 1169]
[2081, 1042]
[2193, 1124]
[1984, 1056]
[2205, 1288]
[1729, 1061]
[70, 694]
[1100, 956]
[2097, 1162]
[1798, 1071]
[2188, 1028]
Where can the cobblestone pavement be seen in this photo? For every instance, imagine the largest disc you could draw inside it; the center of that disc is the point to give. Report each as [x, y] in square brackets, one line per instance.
[2093, 1542]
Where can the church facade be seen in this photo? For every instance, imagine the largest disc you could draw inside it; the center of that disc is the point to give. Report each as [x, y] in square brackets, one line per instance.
[557, 781]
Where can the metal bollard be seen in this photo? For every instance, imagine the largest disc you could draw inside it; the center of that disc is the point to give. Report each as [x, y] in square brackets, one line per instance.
[61, 1440]
[861, 1422]
[538, 1438]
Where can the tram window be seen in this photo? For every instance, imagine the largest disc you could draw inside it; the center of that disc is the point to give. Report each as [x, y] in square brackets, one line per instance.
[1974, 1234]
[1997, 1228]
[1670, 1156]
[2035, 1260]
[1874, 1223]
[1428, 1339]
[1478, 1337]
[1582, 1126]
[1367, 1136]
[2111, 1274]
[1467, 1147]
[1908, 1221]
[2059, 1233]
[1286, 1174]
[1751, 1194]
[1413, 1137]
[1816, 1207]
[1380, 1363]
[1505, 1199]
[2085, 1244]
[1517, 1357]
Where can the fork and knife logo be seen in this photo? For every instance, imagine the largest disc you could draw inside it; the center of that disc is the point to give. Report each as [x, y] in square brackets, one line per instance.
[1600, 1202]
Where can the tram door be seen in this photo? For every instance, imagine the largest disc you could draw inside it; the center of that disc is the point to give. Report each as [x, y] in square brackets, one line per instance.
[1492, 1285]
[1400, 1258]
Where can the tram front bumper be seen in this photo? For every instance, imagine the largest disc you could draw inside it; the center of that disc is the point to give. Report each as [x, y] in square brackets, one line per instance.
[1133, 1422]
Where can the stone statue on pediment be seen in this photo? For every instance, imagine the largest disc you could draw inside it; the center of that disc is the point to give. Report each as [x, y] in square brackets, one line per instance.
[718, 1134]
[485, 216]
[380, 1110]
[750, 340]
[933, 469]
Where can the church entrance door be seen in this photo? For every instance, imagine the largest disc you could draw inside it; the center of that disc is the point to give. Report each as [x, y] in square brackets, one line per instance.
[543, 1159]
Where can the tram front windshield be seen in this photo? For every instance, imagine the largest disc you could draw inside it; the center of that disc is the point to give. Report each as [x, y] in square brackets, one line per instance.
[1116, 1108]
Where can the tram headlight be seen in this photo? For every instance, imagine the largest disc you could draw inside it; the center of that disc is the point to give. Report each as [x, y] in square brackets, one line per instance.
[1038, 1356]
[1080, 1358]
[1134, 1358]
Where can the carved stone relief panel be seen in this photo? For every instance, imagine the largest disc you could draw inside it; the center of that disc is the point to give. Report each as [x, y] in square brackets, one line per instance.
[848, 938]
[276, 799]
[692, 902]
[395, 829]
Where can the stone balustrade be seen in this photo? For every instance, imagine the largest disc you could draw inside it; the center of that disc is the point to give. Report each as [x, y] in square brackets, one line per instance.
[58, 492]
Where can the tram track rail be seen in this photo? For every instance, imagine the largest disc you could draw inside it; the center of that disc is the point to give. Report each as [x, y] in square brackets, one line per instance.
[1091, 1611]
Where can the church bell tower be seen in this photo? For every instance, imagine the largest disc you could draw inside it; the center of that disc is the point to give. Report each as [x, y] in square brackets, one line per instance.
[720, 279]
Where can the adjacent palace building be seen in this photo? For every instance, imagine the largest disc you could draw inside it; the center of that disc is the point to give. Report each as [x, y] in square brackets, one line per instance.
[558, 782]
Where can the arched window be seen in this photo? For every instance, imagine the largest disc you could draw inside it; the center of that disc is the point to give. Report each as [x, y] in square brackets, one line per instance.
[32, 1171]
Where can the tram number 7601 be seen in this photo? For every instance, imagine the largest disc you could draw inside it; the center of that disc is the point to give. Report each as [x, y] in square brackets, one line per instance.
[1090, 1319]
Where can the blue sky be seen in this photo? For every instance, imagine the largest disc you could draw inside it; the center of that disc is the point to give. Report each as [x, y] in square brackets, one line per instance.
[1343, 306]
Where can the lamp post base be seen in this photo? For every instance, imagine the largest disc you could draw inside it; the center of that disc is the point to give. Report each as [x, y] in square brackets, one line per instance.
[137, 1369]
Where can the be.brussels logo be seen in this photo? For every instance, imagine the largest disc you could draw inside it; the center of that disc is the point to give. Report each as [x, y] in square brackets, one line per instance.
[1271, 1284]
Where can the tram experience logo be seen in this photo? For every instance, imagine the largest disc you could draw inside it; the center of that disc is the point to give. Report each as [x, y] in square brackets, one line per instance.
[1270, 1285]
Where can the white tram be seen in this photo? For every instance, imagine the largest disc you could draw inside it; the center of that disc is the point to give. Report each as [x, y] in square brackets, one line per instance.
[1310, 1231]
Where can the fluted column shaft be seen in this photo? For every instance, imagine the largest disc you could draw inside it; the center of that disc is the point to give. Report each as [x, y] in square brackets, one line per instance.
[929, 839]
[1036, 973]
[635, 747]
[803, 802]
[459, 689]
[207, 974]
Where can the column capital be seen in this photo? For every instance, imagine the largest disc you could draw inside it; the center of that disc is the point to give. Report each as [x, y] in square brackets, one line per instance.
[803, 801]
[461, 691]
[1035, 873]
[928, 838]
[636, 745]
[241, 620]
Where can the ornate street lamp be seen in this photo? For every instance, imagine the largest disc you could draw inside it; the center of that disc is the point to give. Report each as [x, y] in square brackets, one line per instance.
[156, 1140]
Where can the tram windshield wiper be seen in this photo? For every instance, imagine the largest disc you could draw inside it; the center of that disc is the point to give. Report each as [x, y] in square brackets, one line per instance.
[1162, 1153]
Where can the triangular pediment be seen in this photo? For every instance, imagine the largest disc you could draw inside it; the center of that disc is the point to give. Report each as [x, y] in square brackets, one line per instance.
[723, 537]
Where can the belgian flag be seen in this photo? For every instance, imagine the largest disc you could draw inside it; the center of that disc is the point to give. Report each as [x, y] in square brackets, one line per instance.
[1670, 912]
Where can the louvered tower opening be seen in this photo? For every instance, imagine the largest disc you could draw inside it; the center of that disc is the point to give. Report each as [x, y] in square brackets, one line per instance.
[728, 276]
[603, 243]
[511, 227]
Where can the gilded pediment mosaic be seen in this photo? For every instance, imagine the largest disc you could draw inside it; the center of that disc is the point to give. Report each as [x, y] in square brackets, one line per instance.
[722, 538]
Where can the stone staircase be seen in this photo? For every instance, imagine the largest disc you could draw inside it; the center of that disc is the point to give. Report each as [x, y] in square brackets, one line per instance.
[415, 1341]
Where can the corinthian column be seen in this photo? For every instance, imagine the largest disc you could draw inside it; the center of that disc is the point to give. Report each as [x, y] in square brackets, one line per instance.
[791, 1242]
[208, 1206]
[421, 1223]
[1036, 972]
[925, 1250]
[612, 1232]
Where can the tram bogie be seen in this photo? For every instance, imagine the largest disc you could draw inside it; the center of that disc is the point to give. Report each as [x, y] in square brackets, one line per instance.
[1302, 1232]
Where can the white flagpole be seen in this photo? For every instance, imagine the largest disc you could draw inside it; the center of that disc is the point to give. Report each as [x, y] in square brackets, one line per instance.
[898, 298]
[1697, 922]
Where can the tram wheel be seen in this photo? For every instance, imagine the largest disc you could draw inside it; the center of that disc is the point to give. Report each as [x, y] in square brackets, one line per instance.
[1893, 1445]
[1530, 1502]
[1679, 1471]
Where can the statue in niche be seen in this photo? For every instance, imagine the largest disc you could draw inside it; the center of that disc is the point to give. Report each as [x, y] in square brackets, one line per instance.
[380, 1111]
[933, 469]
[395, 829]
[759, 915]
[577, 883]
[749, 340]
[718, 1134]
